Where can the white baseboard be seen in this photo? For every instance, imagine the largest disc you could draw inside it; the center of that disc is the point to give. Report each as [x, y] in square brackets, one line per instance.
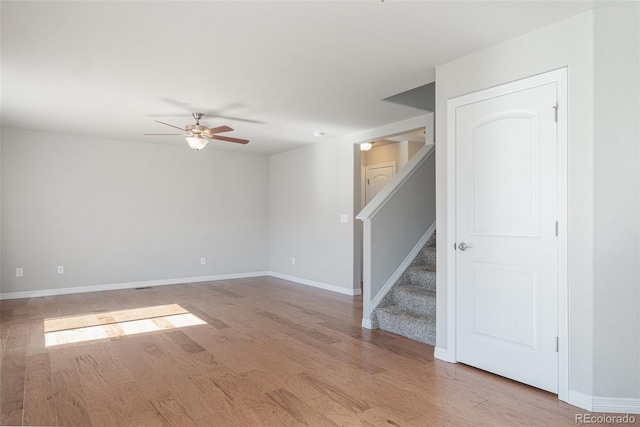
[616, 405]
[164, 282]
[581, 400]
[366, 323]
[608, 405]
[126, 285]
[315, 284]
[444, 355]
[402, 267]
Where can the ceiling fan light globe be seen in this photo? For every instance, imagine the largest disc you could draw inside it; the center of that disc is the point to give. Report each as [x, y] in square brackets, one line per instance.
[197, 142]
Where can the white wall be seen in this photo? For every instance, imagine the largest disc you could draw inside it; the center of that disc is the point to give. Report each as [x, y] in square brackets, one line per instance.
[310, 188]
[567, 43]
[116, 211]
[617, 201]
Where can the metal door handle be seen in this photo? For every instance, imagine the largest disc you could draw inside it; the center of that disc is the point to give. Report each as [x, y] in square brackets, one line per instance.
[463, 246]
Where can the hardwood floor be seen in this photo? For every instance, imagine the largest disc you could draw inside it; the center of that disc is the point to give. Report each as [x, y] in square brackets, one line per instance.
[266, 352]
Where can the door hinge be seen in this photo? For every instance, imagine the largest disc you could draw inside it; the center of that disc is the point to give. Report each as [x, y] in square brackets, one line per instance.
[455, 246]
[555, 107]
[556, 228]
[367, 181]
[557, 344]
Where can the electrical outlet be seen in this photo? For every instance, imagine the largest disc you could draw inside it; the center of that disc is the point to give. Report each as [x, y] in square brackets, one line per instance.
[203, 261]
[344, 218]
[19, 272]
[61, 269]
[293, 261]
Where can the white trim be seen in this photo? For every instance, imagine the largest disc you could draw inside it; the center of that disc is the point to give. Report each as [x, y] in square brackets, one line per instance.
[563, 235]
[581, 400]
[366, 323]
[375, 205]
[402, 267]
[126, 285]
[387, 131]
[614, 405]
[617, 405]
[307, 282]
[560, 78]
[444, 354]
[166, 282]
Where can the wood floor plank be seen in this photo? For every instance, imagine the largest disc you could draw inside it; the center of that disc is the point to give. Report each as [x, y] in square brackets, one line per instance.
[298, 410]
[298, 329]
[226, 400]
[334, 411]
[171, 411]
[211, 320]
[13, 375]
[225, 418]
[39, 403]
[71, 409]
[184, 341]
[267, 352]
[339, 395]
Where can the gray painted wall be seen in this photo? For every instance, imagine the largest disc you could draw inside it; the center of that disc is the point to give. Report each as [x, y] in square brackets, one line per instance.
[400, 224]
[116, 212]
[310, 188]
[567, 43]
[617, 201]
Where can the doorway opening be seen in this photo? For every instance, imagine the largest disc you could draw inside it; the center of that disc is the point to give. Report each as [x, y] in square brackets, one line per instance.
[517, 265]
[379, 160]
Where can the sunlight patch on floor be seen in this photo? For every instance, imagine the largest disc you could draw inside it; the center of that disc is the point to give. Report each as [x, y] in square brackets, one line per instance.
[110, 324]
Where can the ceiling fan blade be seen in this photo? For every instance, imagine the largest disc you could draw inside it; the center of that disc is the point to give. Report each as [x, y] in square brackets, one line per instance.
[182, 129]
[219, 129]
[237, 119]
[158, 134]
[228, 139]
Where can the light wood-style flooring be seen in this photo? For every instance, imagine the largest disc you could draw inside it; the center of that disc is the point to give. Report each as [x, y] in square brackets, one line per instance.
[247, 352]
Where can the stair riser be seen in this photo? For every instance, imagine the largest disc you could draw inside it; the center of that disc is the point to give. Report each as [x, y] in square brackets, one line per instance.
[418, 277]
[426, 256]
[424, 304]
[410, 310]
[423, 332]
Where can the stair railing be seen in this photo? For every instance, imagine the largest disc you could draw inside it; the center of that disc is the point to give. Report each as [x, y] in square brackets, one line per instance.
[394, 222]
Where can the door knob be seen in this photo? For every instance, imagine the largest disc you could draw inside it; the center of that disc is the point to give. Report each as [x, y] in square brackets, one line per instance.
[463, 246]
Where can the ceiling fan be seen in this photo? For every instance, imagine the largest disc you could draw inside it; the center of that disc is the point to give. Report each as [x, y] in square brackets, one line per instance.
[198, 136]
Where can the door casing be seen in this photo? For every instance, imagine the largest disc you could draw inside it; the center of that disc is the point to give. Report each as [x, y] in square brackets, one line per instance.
[560, 78]
[370, 168]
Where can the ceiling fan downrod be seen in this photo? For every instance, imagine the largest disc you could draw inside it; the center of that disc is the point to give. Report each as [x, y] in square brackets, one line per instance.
[197, 129]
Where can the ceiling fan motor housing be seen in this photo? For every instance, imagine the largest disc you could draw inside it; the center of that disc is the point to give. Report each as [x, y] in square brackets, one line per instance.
[197, 129]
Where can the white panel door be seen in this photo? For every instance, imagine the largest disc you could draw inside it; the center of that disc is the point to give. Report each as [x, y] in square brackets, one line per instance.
[377, 177]
[506, 213]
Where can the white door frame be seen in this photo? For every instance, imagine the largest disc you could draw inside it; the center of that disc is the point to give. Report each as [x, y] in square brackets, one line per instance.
[560, 78]
[367, 168]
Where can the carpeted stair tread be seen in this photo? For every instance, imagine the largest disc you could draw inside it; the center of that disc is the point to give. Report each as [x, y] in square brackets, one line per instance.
[426, 257]
[408, 324]
[418, 299]
[409, 308]
[419, 275]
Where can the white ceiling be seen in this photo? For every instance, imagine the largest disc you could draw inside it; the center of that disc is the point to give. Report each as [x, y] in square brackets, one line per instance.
[288, 69]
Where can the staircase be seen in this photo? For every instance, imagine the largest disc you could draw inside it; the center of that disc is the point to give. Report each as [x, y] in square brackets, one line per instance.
[409, 308]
